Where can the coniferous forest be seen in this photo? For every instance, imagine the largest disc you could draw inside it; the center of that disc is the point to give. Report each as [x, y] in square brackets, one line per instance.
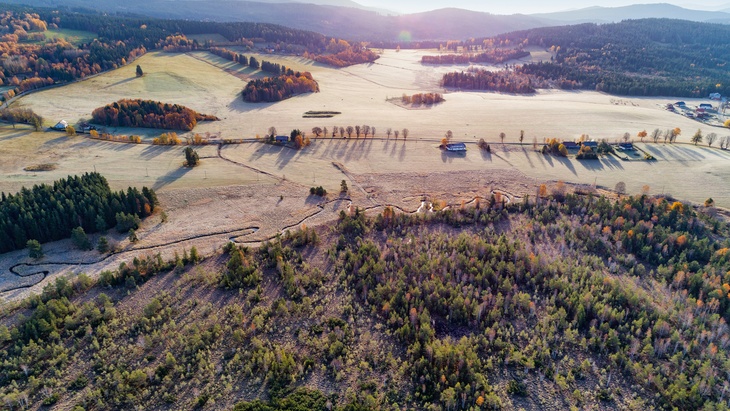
[648, 57]
[575, 301]
[148, 113]
[49, 212]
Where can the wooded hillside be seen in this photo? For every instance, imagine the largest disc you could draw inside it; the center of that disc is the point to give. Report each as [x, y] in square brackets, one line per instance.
[649, 57]
[576, 301]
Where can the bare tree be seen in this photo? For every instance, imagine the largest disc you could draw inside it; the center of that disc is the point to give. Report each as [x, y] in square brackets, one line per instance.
[710, 138]
[405, 133]
[317, 131]
[349, 130]
[372, 131]
[668, 135]
[449, 135]
[366, 130]
[723, 142]
[621, 187]
[388, 131]
[395, 133]
[324, 132]
[656, 134]
[342, 132]
[357, 131]
[626, 137]
[522, 135]
[502, 136]
[272, 131]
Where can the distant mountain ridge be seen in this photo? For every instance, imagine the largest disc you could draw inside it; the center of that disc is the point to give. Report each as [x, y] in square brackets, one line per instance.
[598, 14]
[348, 19]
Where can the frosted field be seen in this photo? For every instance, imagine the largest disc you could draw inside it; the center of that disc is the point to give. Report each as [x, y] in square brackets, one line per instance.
[211, 85]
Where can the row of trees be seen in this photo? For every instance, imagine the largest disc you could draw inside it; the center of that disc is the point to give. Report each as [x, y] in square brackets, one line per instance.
[49, 212]
[491, 56]
[271, 89]
[422, 98]
[252, 62]
[148, 113]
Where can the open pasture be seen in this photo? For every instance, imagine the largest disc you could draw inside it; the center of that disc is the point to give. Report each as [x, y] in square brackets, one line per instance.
[211, 85]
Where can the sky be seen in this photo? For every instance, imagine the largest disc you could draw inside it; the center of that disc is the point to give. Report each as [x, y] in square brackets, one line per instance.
[527, 6]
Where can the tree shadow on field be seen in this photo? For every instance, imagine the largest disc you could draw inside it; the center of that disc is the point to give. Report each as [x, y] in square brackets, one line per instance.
[120, 82]
[402, 154]
[245, 107]
[56, 141]
[105, 145]
[450, 156]
[568, 164]
[19, 133]
[656, 152]
[151, 152]
[486, 155]
[386, 146]
[715, 152]
[265, 149]
[527, 156]
[285, 156]
[171, 176]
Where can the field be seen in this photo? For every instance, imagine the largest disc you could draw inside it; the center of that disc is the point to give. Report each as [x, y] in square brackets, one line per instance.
[74, 37]
[254, 184]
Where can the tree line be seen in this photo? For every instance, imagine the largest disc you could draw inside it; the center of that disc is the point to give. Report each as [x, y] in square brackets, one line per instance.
[148, 113]
[251, 62]
[49, 212]
[491, 56]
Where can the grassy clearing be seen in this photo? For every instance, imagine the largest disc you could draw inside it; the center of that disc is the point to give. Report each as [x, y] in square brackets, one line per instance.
[74, 37]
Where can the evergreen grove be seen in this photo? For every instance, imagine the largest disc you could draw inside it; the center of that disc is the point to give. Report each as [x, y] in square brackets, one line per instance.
[49, 212]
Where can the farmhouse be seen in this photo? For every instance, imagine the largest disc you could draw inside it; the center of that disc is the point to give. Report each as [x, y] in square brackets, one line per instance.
[680, 104]
[571, 145]
[61, 125]
[282, 139]
[456, 147]
[706, 106]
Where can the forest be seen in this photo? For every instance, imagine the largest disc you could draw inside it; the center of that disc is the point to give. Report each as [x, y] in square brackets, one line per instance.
[148, 113]
[566, 300]
[490, 56]
[29, 62]
[271, 89]
[504, 81]
[49, 212]
[648, 57]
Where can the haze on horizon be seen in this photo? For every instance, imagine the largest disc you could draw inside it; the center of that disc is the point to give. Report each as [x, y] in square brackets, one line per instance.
[527, 6]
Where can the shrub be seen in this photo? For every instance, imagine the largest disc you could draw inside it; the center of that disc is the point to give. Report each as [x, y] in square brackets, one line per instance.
[319, 191]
